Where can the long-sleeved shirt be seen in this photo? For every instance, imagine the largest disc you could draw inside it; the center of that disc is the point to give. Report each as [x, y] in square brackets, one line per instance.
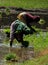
[17, 26]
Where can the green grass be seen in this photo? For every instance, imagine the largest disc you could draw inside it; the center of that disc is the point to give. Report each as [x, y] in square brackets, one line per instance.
[39, 61]
[40, 42]
[25, 3]
[10, 56]
[6, 30]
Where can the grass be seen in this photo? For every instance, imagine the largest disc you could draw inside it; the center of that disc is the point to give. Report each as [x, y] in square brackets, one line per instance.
[40, 42]
[10, 56]
[39, 61]
[29, 4]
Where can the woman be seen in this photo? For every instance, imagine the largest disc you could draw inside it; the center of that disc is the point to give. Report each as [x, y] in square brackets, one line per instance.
[22, 26]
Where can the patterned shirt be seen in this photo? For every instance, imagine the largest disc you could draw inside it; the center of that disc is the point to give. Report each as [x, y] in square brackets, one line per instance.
[16, 27]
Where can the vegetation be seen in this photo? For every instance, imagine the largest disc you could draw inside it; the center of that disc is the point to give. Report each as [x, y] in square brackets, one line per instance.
[39, 40]
[42, 22]
[40, 43]
[38, 61]
[23, 3]
[6, 30]
[10, 56]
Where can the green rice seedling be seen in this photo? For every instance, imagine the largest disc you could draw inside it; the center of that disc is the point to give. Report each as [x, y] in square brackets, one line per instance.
[10, 56]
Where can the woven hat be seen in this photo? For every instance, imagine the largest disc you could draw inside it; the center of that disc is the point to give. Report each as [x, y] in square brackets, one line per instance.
[20, 16]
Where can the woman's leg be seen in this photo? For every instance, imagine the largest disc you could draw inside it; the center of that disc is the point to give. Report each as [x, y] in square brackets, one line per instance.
[19, 38]
[11, 41]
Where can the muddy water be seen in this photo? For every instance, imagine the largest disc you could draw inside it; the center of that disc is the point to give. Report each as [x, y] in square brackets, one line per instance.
[22, 53]
[3, 51]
